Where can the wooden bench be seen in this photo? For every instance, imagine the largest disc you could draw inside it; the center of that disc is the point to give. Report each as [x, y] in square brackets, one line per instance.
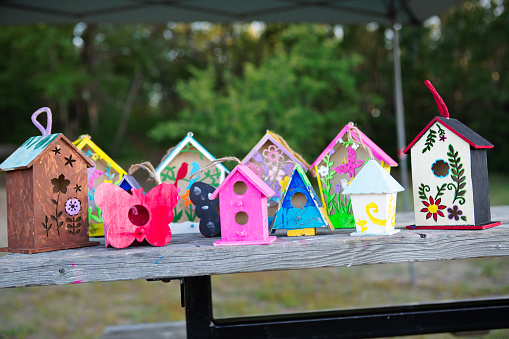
[192, 259]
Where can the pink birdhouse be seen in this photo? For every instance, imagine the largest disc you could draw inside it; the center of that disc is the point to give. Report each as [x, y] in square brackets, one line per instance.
[243, 209]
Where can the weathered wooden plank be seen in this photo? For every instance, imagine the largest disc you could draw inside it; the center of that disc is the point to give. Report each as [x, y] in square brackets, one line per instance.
[194, 255]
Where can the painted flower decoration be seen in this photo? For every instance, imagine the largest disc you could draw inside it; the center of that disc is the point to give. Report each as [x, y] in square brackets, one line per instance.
[255, 167]
[276, 174]
[433, 208]
[60, 184]
[288, 168]
[72, 206]
[273, 156]
[442, 137]
[454, 213]
[284, 182]
[440, 168]
[323, 171]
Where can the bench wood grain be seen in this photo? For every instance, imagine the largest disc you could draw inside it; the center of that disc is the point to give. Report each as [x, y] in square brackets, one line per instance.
[190, 255]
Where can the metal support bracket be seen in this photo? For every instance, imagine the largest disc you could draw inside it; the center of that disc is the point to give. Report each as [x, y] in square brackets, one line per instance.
[443, 317]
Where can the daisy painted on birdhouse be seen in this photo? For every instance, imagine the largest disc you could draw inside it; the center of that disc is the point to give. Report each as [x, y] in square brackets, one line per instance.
[105, 170]
[177, 168]
[450, 174]
[373, 192]
[299, 211]
[266, 158]
[338, 164]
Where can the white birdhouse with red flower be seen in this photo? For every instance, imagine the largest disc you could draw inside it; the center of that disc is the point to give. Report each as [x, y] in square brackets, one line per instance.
[450, 174]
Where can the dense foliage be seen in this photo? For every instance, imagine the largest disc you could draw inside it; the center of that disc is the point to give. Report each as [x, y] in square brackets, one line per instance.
[139, 89]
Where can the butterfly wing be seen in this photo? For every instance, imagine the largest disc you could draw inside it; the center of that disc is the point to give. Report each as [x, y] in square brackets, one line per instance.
[206, 209]
[160, 202]
[115, 204]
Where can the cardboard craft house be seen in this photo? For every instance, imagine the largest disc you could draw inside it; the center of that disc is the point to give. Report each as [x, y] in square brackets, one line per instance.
[299, 211]
[177, 167]
[374, 193]
[243, 209]
[338, 164]
[47, 203]
[266, 158]
[105, 170]
[450, 174]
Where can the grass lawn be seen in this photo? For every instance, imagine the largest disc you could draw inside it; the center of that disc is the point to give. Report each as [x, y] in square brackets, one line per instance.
[82, 311]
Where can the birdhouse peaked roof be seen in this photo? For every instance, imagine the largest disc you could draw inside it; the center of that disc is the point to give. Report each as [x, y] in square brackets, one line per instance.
[30, 151]
[188, 139]
[280, 143]
[373, 179]
[458, 128]
[250, 176]
[378, 153]
[298, 172]
[86, 140]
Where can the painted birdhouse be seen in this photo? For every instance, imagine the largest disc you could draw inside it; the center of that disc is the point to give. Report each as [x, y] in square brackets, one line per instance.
[47, 207]
[135, 217]
[243, 209]
[373, 192]
[176, 168]
[299, 211]
[105, 170]
[338, 164]
[266, 158]
[450, 174]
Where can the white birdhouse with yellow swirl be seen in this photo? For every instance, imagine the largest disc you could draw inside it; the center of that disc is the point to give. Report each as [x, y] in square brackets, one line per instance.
[373, 192]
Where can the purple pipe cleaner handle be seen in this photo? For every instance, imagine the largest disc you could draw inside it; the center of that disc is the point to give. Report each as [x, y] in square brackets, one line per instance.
[47, 131]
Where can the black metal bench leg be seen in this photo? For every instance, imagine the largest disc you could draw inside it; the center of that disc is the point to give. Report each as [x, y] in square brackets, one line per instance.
[198, 302]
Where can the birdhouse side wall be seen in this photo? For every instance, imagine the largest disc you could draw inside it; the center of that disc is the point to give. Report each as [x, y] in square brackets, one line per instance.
[481, 188]
[252, 203]
[374, 213]
[179, 171]
[442, 179]
[61, 197]
[20, 208]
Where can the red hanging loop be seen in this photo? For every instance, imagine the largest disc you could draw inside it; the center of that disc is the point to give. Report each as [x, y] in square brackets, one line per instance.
[442, 108]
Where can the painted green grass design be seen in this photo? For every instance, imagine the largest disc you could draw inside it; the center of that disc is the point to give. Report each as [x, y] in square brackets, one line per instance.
[430, 140]
[457, 175]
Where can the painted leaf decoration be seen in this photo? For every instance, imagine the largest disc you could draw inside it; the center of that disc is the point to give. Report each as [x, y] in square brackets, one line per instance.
[54, 202]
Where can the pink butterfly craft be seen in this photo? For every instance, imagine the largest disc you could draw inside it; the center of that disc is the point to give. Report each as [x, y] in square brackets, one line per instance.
[136, 217]
[351, 163]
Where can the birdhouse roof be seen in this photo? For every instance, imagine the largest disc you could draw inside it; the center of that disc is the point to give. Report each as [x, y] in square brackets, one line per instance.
[175, 151]
[28, 153]
[86, 140]
[280, 143]
[378, 153]
[248, 175]
[373, 179]
[458, 128]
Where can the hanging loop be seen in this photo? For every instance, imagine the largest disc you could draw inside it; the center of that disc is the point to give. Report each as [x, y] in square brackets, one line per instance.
[47, 131]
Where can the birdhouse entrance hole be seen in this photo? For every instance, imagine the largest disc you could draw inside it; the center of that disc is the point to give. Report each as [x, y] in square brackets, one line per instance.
[241, 218]
[299, 200]
[240, 187]
[138, 215]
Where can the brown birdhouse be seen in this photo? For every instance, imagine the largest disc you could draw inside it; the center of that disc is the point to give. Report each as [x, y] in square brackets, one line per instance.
[47, 203]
